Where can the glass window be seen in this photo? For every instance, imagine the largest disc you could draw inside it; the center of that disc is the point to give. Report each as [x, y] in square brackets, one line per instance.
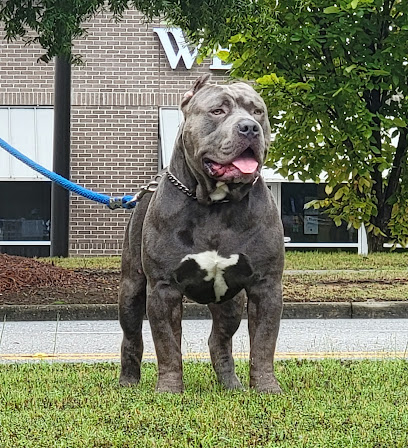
[170, 118]
[25, 211]
[30, 131]
[310, 226]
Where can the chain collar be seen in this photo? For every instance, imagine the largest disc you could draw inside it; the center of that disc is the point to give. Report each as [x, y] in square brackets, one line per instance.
[180, 186]
[173, 179]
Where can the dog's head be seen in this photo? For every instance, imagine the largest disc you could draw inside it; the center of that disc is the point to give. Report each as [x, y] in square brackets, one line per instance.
[225, 135]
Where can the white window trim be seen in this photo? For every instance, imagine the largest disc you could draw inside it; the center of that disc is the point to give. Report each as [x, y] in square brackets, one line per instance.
[25, 243]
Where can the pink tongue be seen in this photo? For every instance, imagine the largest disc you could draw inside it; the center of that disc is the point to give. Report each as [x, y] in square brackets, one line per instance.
[246, 165]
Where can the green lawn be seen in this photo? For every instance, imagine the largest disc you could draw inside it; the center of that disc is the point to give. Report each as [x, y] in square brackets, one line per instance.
[345, 260]
[326, 404]
[294, 260]
[350, 286]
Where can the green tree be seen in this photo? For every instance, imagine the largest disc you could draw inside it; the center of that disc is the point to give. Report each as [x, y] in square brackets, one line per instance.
[334, 77]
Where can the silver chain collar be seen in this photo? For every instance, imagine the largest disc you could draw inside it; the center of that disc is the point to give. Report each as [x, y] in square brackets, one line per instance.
[173, 179]
[180, 186]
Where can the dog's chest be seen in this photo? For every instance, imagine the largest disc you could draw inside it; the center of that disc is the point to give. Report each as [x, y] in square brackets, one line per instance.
[208, 277]
[227, 232]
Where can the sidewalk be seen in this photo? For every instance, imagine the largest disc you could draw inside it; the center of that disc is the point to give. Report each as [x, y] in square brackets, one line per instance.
[309, 310]
[96, 341]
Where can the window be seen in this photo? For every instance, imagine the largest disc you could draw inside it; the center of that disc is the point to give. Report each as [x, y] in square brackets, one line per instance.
[169, 121]
[25, 195]
[310, 225]
[25, 211]
[29, 130]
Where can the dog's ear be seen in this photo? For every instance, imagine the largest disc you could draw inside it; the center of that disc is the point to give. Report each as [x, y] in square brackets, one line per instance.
[199, 83]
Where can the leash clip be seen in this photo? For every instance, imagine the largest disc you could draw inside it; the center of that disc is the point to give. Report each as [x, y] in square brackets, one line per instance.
[115, 203]
[151, 187]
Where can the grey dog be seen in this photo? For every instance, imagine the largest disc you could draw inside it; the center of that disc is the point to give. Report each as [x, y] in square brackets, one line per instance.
[210, 232]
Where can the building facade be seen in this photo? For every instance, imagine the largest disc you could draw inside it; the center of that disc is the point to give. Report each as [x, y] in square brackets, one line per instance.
[124, 119]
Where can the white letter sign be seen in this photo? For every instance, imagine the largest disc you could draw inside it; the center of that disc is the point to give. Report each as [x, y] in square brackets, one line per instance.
[182, 51]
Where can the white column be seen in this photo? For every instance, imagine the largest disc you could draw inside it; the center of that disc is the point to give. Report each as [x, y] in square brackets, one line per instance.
[362, 241]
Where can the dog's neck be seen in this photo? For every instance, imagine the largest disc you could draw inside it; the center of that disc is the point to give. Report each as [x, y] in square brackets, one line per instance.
[207, 191]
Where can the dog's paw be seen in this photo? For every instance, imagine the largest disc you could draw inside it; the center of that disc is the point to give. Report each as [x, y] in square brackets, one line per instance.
[268, 385]
[169, 387]
[128, 381]
[231, 382]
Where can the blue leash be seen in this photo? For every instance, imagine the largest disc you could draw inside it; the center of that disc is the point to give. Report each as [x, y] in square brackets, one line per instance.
[127, 202]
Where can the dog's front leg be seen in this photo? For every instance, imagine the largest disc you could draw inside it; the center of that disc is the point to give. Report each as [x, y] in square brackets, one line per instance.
[264, 314]
[226, 319]
[164, 310]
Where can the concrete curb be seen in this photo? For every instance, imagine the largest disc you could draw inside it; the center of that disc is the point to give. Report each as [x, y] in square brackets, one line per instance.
[314, 310]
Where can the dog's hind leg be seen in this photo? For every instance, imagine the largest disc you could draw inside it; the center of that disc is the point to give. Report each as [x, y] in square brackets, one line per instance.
[132, 301]
[226, 319]
[132, 308]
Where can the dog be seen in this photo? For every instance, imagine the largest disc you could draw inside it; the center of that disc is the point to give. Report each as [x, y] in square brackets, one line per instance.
[211, 232]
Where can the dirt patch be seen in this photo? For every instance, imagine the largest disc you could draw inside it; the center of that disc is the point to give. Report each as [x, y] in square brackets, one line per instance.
[26, 281]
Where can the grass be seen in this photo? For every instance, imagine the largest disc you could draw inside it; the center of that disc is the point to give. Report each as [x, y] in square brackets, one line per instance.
[326, 404]
[346, 286]
[336, 260]
[85, 262]
[295, 260]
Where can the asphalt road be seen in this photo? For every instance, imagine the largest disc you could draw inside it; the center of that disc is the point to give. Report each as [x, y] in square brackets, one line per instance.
[299, 338]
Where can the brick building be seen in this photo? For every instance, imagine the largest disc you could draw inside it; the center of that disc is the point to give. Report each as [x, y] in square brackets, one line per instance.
[124, 117]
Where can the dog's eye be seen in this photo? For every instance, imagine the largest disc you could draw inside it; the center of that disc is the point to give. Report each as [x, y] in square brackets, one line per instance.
[218, 112]
[258, 111]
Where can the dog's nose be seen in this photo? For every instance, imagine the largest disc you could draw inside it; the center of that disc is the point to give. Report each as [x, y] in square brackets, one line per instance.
[248, 128]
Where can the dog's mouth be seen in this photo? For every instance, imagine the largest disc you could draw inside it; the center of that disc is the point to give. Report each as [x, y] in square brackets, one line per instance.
[244, 164]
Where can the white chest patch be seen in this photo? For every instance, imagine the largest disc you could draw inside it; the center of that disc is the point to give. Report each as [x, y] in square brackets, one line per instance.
[215, 266]
[220, 192]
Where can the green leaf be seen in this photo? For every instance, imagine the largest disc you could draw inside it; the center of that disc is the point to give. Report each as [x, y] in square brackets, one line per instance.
[339, 193]
[300, 86]
[223, 55]
[311, 204]
[268, 79]
[350, 68]
[380, 72]
[237, 38]
[237, 63]
[354, 4]
[331, 10]
[399, 122]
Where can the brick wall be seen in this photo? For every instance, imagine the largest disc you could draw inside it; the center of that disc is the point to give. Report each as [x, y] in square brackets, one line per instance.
[116, 95]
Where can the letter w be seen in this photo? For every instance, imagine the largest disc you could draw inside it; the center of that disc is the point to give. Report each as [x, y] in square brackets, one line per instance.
[182, 50]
